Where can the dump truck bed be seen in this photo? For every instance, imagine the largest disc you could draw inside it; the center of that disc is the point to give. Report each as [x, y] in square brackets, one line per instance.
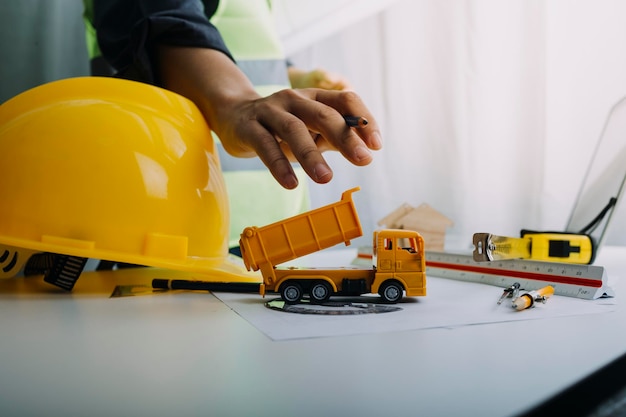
[301, 235]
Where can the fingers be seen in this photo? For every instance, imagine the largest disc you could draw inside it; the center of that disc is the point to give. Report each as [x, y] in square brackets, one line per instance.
[270, 152]
[292, 137]
[349, 103]
[323, 112]
[298, 125]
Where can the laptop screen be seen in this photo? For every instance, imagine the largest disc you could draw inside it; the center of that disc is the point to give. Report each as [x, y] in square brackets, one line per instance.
[600, 199]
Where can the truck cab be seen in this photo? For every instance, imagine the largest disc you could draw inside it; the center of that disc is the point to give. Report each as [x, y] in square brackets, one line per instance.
[398, 256]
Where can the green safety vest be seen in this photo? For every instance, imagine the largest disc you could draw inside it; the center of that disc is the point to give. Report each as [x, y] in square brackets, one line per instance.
[255, 198]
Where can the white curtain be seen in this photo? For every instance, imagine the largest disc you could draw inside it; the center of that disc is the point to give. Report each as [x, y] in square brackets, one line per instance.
[490, 109]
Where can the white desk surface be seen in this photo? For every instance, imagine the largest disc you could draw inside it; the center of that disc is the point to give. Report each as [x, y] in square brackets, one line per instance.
[187, 353]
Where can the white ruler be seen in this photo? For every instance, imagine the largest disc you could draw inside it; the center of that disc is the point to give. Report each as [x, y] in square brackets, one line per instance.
[581, 281]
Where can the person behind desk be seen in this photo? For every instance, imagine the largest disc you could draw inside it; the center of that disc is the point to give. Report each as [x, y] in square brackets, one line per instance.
[191, 47]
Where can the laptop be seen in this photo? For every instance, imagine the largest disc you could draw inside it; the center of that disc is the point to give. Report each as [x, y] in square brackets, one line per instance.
[603, 393]
[600, 199]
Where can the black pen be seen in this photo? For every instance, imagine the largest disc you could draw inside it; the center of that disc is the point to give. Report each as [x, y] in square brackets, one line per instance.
[183, 284]
[355, 121]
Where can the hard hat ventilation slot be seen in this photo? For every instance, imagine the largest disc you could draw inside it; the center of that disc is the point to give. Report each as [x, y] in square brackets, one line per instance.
[11, 264]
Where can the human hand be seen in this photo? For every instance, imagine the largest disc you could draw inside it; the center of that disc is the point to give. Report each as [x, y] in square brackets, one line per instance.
[298, 125]
[290, 125]
[317, 78]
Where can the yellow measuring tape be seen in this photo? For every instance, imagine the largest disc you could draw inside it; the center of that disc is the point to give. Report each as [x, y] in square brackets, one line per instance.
[539, 246]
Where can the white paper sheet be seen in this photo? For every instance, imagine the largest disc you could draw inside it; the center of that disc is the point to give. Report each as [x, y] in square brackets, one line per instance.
[448, 304]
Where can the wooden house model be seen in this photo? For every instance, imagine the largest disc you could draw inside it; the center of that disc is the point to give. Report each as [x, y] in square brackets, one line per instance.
[427, 221]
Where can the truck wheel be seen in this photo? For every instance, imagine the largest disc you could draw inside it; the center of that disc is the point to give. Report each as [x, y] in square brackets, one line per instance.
[320, 291]
[291, 292]
[391, 291]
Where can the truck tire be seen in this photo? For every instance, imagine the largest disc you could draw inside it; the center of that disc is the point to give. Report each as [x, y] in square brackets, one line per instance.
[291, 292]
[320, 291]
[391, 291]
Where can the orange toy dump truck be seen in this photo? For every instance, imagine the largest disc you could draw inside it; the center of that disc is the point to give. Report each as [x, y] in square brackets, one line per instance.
[398, 257]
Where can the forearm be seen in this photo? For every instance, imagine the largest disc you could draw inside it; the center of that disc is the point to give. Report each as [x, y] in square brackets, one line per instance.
[130, 32]
[212, 81]
[171, 43]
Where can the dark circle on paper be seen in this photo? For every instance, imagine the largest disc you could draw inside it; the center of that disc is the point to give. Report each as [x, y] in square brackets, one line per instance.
[331, 308]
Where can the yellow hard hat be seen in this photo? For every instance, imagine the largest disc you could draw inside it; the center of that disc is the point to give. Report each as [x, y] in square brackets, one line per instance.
[113, 169]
